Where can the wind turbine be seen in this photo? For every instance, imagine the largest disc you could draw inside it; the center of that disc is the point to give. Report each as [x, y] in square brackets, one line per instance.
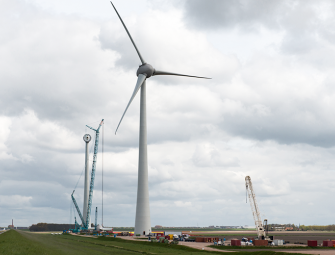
[145, 71]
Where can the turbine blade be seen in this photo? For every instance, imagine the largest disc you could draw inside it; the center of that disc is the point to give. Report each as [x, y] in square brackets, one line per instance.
[176, 74]
[141, 78]
[138, 52]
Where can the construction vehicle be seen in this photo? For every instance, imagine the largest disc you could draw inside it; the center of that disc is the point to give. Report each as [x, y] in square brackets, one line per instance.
[255, 210]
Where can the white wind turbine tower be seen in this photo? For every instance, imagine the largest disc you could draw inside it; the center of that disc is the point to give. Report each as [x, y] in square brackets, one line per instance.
[145, 71]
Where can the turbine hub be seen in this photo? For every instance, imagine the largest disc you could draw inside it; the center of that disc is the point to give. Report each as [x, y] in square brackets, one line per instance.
[146, 69]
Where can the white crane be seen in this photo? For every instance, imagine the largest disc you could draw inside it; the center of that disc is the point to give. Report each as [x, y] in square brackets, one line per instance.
[254, 208]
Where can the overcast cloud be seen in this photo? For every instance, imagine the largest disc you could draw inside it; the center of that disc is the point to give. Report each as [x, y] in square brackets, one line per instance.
[267, 112]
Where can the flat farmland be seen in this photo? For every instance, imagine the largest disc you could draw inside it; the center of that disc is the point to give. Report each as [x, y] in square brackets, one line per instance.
[22, 242]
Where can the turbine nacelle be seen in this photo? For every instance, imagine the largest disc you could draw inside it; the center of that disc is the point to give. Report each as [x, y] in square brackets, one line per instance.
[146, 70]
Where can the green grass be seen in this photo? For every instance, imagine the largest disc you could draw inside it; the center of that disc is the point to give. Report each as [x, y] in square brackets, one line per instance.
[22, 242]
[12, 242]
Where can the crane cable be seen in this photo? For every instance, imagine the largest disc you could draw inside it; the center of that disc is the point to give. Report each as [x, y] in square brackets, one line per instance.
[70, 212]
[102, 174]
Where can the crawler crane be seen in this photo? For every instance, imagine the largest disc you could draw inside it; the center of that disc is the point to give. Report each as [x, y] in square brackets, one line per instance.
[255, 210]
[86, 218]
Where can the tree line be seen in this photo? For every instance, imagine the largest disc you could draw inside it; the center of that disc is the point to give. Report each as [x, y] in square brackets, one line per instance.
[50, 227]
[318, 227]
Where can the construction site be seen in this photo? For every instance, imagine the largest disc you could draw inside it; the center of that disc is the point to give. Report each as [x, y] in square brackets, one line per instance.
[251, 123]
[264, 235]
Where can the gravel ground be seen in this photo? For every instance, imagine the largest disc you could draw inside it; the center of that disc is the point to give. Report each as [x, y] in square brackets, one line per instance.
[200, 246]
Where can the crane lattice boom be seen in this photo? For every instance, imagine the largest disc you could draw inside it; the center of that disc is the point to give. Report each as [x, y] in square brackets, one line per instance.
[77, 207]
[254, 208]
[93, 172]
[90, 198]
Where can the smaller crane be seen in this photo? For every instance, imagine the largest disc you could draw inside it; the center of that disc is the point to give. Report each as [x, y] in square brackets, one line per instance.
[76, 205]
[254, 209]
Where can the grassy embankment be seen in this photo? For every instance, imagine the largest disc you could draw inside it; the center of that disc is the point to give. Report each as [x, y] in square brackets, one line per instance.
[20, 242]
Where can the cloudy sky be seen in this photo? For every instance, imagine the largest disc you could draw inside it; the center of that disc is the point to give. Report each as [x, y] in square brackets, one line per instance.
[266, 113]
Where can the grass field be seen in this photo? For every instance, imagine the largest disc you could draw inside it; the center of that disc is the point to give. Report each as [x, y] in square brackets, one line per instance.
[21, 242]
